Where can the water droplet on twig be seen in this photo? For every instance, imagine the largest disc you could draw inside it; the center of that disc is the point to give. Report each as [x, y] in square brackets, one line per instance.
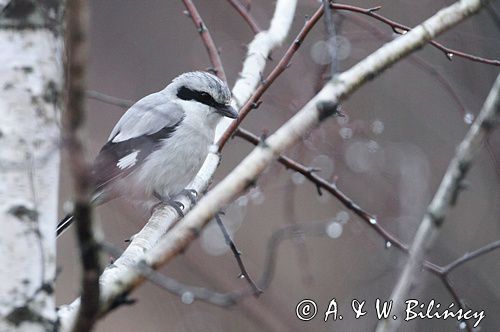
[468, 118]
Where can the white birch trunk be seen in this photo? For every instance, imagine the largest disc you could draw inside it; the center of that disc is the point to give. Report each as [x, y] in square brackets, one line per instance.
[30, 89]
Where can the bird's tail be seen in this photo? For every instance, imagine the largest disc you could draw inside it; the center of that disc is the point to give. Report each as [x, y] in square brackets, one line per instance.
[64, 224]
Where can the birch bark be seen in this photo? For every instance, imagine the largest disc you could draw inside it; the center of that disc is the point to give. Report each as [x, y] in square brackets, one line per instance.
[30, 89]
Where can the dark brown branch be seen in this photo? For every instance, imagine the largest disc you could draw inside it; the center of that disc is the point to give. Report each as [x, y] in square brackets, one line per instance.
[282, 65]
[299, 230]
[209, 43]
[454, 294]
[364, 215]
[245, 13]
[76, 39]
[237, 255]
[429, 69]
[402, 29]
[332, 189]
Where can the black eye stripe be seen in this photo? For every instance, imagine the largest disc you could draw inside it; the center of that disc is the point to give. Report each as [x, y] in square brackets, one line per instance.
[200, 96]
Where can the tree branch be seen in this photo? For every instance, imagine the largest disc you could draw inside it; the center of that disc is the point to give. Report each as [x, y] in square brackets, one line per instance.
[317, 110]
[237, 255]
[77, 26]
[245, 13]
[445, 197]
[282, 65]
[471, 255]
[401, 29]
[209, 43]
[162, 219]
[298, 231]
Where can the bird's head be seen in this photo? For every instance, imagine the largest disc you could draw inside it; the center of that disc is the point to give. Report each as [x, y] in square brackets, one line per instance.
[204, 88]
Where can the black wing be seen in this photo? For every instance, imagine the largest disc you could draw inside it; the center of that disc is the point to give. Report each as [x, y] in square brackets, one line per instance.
[112, 163]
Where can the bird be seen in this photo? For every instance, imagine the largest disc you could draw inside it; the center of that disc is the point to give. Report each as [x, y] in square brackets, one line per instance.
[160, 143]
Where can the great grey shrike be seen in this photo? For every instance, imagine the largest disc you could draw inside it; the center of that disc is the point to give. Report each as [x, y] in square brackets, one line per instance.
[161, 142]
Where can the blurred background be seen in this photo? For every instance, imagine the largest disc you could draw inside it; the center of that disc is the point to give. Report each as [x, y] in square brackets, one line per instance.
[388, 154]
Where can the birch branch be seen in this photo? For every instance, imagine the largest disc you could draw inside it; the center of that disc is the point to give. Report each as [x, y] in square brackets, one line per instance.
[163, 218]
[297, 230]
[316, 111]
[446, 197]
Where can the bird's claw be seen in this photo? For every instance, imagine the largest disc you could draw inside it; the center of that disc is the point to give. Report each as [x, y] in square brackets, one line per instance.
[191, 194]
[176, 205]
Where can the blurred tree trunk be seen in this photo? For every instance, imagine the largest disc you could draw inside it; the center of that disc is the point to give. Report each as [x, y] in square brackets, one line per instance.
[31, 80]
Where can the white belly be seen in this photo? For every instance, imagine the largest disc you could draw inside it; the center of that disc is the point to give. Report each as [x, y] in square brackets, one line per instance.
[170, 169]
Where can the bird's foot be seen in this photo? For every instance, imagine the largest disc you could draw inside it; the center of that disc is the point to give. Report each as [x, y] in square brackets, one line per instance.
[177, 206]
[191, 194]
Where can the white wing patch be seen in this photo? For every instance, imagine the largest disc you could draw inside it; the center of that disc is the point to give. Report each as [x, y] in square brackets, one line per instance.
[128, 161]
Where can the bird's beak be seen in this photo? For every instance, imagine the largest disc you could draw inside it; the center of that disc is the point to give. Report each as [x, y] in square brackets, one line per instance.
[227, 110]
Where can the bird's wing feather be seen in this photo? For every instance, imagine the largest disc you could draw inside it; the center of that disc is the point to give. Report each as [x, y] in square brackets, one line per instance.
[149, 115]
[135, 136]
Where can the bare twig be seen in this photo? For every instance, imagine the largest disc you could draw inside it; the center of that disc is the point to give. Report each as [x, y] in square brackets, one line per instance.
[77, 13]
[438, 76]
[245, 13]
[123, 103]
[282, 65]
[316, 111]
[402, 29]
[330, 187]
[112, 280]
[445, 197]
[471, 255]
[237, 255]
[187, 293]
[313, 113]
[298, 231]
[212, 50]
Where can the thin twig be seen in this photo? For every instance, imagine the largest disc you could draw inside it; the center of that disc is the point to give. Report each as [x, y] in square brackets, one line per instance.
[123, 274]
[237, 255]
[282, 65]
[245, 13]
[312, 114]
[187, 293]
[471, 255]
[445, 197]
[299, 230]
[212, 50]
[76, 39]
[439, 77]
[402, 29]
[123, 103]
